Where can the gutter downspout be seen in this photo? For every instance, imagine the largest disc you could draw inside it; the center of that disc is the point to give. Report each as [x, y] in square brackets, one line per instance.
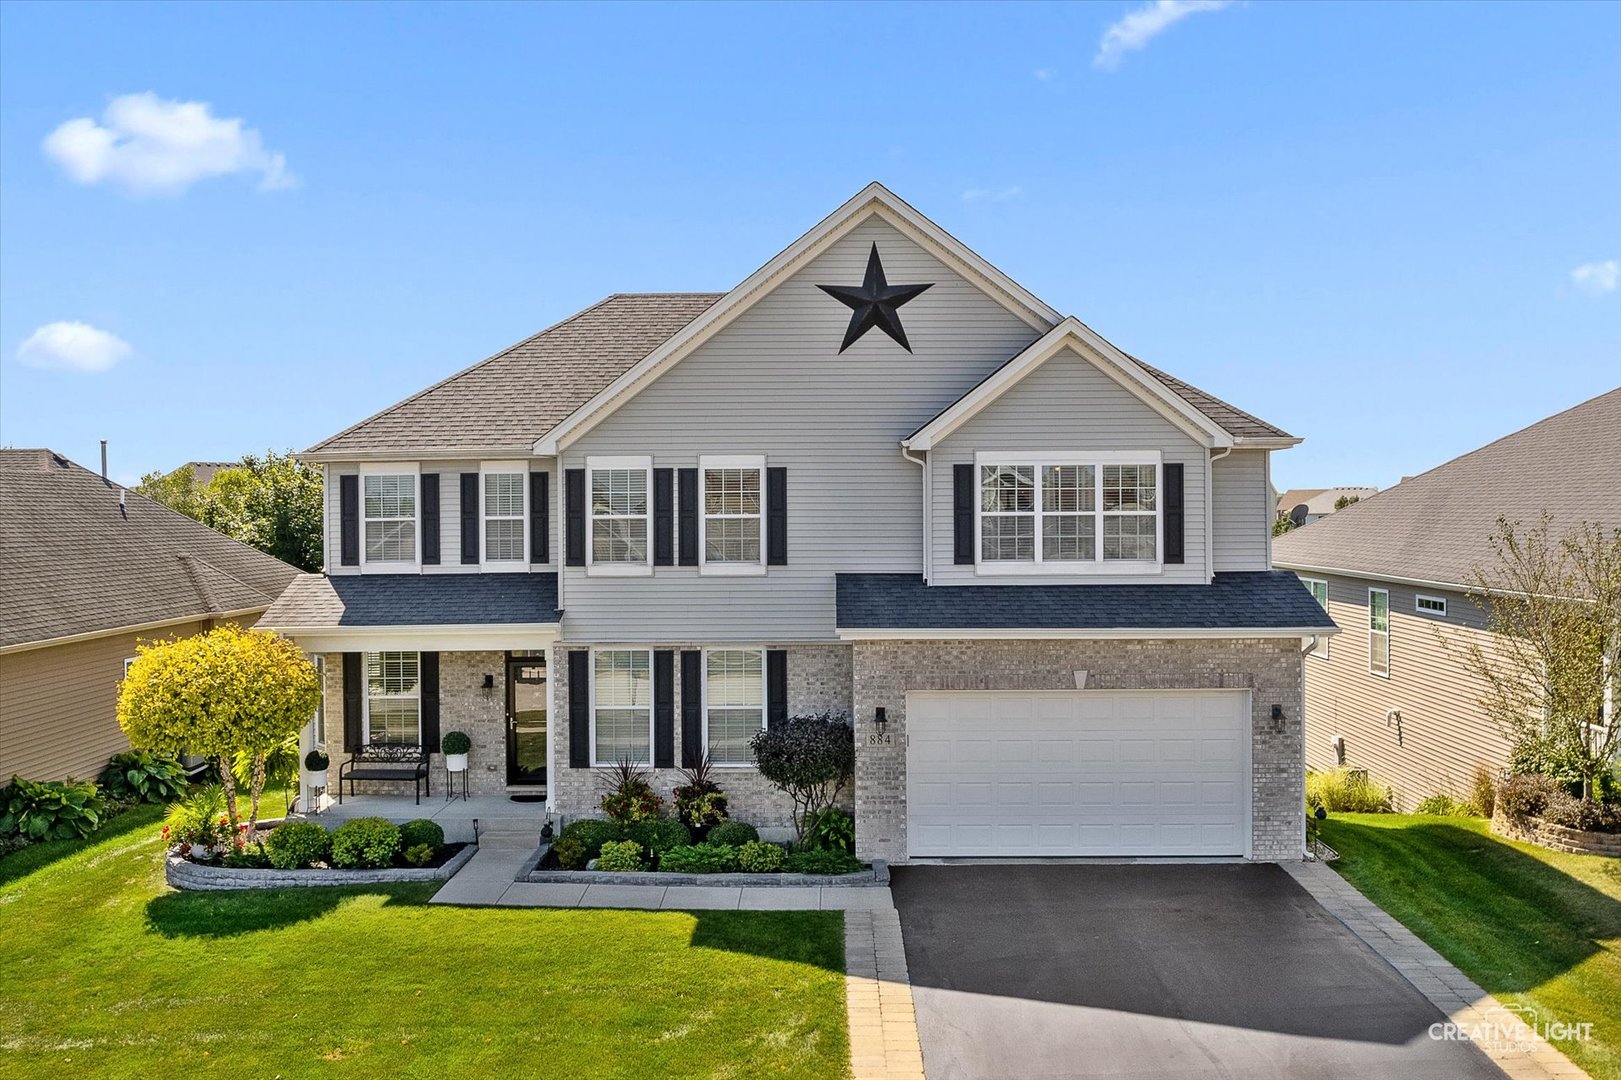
[1210, 513]
[928, 532]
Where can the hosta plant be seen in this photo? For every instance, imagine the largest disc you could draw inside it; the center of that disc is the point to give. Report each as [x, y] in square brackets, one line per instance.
[141, 776]
[50, 809]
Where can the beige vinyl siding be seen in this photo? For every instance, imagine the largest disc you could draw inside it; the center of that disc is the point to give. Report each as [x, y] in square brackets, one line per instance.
[58, 704]
[1445, 734]
[1241, 511]
[1067, 405]
[774, 383]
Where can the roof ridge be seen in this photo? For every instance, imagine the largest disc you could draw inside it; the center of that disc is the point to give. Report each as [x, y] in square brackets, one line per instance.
[248, 585]
[188, 564]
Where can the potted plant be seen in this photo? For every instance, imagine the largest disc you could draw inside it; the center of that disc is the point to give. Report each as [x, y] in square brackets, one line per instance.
[455, 745]
[315, 763]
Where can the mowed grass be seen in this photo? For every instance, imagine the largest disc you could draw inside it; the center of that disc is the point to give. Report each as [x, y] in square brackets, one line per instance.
[1531, 926]
[105, 972]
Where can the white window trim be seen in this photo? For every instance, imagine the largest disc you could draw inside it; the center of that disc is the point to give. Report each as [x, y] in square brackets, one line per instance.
[499, 468]
[617, 569]
[1321, 652]
[366, 694]
[651, 693]
[765, 709]
[1385, 674]
[1420, 609]
[1099, 565]
[413, 470]
[733, 569]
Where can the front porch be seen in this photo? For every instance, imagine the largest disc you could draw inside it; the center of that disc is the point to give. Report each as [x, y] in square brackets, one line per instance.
[489, 815]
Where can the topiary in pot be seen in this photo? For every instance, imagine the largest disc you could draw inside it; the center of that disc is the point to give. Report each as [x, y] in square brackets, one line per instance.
[456, 745]
[315, 764]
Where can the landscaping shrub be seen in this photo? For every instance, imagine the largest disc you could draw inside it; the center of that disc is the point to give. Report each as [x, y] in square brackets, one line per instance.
[418, 855]
[620, 855]
[733, 833]
[199, 820]
[658, 835]
[420, 832]
[759, 857]
[570, 852]
[1525, 796]
[1573, 813]
[50, 809]
[700, 804]
[708, 858]
[1483, 790]
[591, 834]
[1347, 791]
[1444, 805]
[139, 776]
[293, 844]
[834, 830]
[810, 758]
[821, 862]
[365, 842]
[628, 796]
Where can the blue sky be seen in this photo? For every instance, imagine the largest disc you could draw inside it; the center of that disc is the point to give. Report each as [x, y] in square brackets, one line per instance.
[1391, 229]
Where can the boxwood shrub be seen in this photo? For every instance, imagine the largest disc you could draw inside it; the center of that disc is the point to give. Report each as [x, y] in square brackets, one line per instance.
[293, 844]
[759, 857]
[733, 833]
[620, 856]
[658, 835]
[422, 831]
[592, 833]
[365, 842]
[708, 858]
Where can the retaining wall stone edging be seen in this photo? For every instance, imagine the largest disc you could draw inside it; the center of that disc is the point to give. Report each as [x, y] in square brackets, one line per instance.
[184, 874]
[1558, 837]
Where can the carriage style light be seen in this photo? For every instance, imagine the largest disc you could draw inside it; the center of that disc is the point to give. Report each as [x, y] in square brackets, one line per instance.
[880, 719]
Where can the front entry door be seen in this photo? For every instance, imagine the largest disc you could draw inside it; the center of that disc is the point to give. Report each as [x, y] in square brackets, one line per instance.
[526, 719]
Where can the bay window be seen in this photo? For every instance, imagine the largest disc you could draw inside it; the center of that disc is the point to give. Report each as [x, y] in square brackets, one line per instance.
[1082, 513]
[622, 706]
[734, 703]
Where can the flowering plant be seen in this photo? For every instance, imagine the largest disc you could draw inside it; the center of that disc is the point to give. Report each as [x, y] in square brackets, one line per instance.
[628, 797]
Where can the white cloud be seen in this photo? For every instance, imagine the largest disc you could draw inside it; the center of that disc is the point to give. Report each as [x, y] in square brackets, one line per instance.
[1597, 278]
[992, 194]
[72, 346]
[150, 146]
[1137, 28]
[1045, 74]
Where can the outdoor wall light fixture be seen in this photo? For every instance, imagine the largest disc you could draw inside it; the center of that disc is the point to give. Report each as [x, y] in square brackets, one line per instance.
[1277, 712]
[489, 686]
[880, 719]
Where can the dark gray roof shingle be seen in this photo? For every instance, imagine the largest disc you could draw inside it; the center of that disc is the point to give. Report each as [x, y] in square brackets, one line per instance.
[1437, 526]
[73, 562]
[1261, 600]
[313, 600]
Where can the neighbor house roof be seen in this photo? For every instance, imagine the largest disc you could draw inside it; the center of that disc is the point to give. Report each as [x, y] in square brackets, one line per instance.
[74, 561]
[1321, 500]
[1436, 527]
[315, 602]
[1268, 601]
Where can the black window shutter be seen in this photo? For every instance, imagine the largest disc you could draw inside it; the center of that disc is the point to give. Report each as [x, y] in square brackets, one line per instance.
[354, 681]
[428, 672]
[692, 705]
[776, 517]
[1173, 512]
[579, 708]
[469, 518]
[776, 686]
[430, 519]
[663, 709]
[349, 520]
[540, 517]
[686, 482]
[574, 517]
[962, 515]
[663, 517]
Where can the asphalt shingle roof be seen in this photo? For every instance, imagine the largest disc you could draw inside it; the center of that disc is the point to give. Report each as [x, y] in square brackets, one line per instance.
[1436, 526]
[73, 562]
[313, 600]
[1261, 600]
[1230, 418]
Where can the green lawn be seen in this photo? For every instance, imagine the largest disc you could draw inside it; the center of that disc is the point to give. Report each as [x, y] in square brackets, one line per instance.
[107, 972]
[1533, 927]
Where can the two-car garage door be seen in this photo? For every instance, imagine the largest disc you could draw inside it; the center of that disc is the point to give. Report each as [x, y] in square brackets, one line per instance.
[1050, 773]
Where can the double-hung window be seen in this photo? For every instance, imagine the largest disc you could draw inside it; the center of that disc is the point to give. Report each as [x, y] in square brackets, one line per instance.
[734, 703]
[1319, 593]
[389, 501]
[622, 706]
[620, 521]
[505, 514]
[1379, 632]
[393, 697]
[1082, 513]
[732, 523]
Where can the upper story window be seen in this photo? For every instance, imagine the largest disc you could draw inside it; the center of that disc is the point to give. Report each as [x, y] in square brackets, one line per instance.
[393, 697]
[1379, 632]
[732, 523]
[620, 524]
[390, 508]
[621, 706]
[1430, 605]
[1068, 514]
[734, 703]
[505, 515]
[1319, 593]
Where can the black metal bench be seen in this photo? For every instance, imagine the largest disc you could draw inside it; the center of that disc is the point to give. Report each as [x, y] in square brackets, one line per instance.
[387, 761]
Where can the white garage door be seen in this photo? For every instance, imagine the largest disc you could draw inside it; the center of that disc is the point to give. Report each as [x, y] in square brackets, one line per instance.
[1077, 773]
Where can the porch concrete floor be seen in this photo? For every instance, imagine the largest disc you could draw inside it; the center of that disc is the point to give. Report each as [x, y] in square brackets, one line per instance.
[494, 814]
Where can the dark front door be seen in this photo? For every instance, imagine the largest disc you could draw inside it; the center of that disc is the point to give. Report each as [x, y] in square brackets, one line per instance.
[526, 719]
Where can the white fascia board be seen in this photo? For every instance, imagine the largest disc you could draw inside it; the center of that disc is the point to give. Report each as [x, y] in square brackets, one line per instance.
[873, 199]
[1370, 575]
[1267, 442]
[1061, 634]
[450, 638]
[340, 457]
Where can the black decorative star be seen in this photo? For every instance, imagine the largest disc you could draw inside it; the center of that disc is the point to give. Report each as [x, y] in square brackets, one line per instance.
[873, 303]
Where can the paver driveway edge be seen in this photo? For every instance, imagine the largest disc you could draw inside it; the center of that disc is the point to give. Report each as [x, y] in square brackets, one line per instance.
[878, 998]
[1522, 1054]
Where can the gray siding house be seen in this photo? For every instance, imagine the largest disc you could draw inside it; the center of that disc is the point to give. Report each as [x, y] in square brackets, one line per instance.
[1033, 570]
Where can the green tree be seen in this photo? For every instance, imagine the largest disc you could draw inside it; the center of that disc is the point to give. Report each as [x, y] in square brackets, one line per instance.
[1283, 524]
[221, 694]
[178, 490]
[272, 502]
[1346, 500]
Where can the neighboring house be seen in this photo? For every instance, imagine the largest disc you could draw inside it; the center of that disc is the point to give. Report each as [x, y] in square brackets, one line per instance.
[877, 478]
[203, 471]
[87, 570]
[1389, 695]
[1318, 502]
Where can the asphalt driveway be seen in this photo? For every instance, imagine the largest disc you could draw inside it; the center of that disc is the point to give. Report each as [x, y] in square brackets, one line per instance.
[1148, 971]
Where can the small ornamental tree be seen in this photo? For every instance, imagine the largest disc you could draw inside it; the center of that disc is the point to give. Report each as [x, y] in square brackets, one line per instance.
[221, 694]
[810, 758]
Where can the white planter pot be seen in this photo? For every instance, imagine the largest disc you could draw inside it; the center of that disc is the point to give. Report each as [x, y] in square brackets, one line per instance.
[456, 762]
[317, 779]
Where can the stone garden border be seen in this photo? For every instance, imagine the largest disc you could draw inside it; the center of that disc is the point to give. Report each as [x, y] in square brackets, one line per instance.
[185, 874]
[877, 875]
[1558, 837]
